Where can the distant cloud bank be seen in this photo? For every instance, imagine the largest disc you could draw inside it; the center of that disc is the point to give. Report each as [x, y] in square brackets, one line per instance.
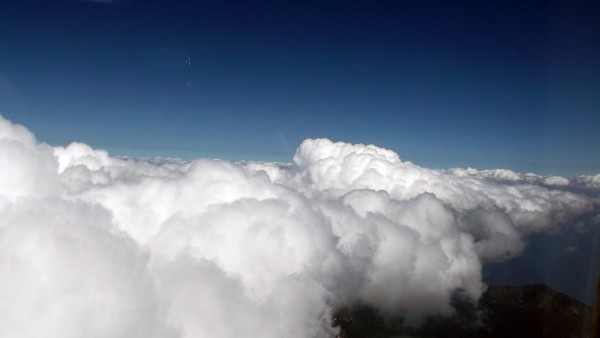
[94, 245]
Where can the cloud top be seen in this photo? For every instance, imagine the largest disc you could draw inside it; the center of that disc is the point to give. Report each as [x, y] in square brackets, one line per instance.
[94, 245]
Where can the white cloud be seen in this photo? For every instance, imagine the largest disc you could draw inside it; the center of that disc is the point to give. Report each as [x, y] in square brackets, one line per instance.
[94, 245]
[26, 168]
[67, 272]
[591, 181]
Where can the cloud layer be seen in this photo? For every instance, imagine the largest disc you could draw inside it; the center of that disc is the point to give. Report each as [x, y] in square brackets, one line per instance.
[93, 245]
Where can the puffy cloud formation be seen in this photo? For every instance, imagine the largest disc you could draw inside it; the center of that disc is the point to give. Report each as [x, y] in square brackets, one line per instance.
[93, 245]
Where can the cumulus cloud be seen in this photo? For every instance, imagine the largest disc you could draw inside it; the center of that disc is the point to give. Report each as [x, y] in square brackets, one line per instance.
[94, 245]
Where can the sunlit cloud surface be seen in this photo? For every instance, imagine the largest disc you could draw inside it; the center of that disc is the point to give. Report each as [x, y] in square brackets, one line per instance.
[94, 245]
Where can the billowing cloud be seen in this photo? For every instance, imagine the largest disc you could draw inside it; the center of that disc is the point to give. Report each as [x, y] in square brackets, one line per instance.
[93, 245]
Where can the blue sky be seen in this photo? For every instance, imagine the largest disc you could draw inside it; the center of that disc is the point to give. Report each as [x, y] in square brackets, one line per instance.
[489, 84]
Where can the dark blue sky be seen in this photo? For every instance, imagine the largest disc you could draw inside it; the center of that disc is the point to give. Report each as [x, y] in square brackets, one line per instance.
[490, 84]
